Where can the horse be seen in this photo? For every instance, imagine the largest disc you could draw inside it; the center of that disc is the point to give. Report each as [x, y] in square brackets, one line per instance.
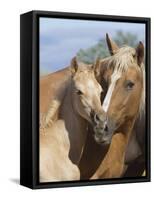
[61, 144]
[123, 105]
[93, 153]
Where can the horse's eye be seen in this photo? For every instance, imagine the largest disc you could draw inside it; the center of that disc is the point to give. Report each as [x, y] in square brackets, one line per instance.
[129, 85]
[79, 92]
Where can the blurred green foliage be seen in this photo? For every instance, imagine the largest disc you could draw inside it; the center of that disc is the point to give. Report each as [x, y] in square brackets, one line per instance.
[100, 50]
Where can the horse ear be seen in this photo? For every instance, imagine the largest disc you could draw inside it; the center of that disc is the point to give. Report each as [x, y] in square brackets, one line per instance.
[74, 65]
[140, 53]
[112, 46]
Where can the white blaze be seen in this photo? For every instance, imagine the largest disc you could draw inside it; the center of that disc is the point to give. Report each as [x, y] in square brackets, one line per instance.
[115, 76]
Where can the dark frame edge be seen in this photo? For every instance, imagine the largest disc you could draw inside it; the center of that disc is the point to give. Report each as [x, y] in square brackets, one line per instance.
[26, 171]
[91, 183]
[148, 96]
[88, 16]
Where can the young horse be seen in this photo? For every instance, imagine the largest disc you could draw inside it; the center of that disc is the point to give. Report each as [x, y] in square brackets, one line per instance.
[66, 137]
[123, 103]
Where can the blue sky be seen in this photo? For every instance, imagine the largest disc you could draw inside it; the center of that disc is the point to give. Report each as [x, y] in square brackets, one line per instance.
[61, 39]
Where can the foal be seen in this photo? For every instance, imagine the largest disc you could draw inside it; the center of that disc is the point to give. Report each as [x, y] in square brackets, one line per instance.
[61, 144]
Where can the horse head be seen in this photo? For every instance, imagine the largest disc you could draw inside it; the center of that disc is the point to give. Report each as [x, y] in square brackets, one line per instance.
[123, 73]
[86, 92]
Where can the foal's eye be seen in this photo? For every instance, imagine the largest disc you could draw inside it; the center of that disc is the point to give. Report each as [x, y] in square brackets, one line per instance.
[129, 85]
[79, 92]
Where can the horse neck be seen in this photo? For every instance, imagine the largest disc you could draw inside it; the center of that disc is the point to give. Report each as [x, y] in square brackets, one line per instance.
[76, 126]
[126, 132]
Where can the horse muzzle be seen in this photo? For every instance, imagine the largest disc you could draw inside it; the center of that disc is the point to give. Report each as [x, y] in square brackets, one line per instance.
[104, 132]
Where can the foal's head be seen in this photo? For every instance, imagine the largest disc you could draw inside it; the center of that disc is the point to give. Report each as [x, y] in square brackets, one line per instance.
[123, 74]
[86, 92]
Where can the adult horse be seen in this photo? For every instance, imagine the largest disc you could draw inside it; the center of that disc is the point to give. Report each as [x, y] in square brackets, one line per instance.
[123, 105]
[62, 143]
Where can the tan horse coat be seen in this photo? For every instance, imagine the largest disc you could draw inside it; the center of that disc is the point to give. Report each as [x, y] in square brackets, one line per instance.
[52, 90]
[62, 142]
[54, 150]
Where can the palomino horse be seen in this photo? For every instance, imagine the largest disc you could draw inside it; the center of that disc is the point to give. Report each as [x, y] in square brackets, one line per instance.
[61, 144]
[134, 156]
[123, 104]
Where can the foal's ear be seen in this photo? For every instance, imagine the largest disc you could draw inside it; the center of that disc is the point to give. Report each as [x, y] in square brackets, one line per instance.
[140, 53]
[112, 46]
[74, 65]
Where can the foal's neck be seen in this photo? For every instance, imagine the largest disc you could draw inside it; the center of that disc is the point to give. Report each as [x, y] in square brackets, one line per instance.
[75, 125]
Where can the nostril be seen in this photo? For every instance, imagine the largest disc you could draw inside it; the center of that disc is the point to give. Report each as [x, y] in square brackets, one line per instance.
[96, 117]
[106, 128]
[92, 114]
